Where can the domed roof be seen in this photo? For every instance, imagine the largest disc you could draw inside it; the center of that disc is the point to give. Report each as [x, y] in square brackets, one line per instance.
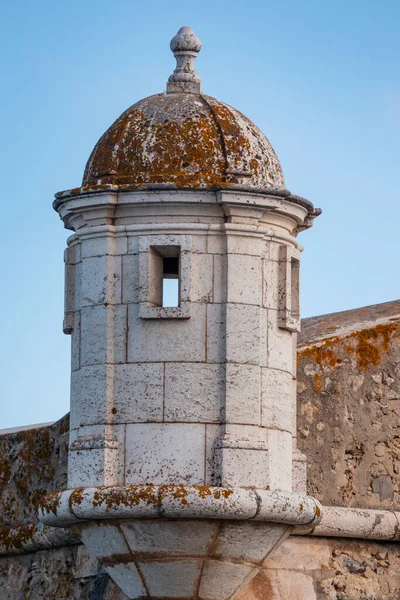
[183, 139]
[187, 140]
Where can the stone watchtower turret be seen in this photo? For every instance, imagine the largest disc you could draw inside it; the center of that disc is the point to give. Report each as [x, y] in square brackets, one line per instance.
[182, 300]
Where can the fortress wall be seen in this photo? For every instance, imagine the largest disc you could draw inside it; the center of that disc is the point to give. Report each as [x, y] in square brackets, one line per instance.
[349, 406]
[349, 428]
[303, 568]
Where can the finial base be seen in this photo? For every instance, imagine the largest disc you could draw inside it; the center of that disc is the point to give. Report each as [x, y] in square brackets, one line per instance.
[183, 87]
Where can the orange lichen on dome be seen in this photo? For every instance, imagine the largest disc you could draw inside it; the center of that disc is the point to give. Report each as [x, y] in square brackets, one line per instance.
[184, 140]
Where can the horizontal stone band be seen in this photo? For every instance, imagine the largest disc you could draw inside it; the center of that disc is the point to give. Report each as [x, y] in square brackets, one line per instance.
[178, 502]
[31, 537]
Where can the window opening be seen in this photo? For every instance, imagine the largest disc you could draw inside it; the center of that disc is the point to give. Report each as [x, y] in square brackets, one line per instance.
[170, 283]
[295, 288]
[164, 280]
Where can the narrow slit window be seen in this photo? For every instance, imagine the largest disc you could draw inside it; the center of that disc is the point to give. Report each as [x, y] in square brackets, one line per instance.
[170, 283]
[295, 288]
[164, 276]
[288, 285]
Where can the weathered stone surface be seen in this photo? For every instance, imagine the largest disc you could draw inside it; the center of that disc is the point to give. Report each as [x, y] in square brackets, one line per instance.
[33, 462]
[103, 334]
[194, 392]
[101, 280]
[165, 453]
[328, 569]
[176, 139]
[301, 569]
[56, 574]
[138, 393]
[349, 406]
[166, 339]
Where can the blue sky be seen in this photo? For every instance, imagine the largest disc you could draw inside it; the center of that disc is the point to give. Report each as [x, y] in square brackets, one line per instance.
[321, 79]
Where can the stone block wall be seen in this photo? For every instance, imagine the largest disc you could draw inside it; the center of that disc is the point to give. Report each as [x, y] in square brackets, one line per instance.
[219, 368]
[348, 426]
[302, 568]
[33, 462]
[349, 406]
[328, 569]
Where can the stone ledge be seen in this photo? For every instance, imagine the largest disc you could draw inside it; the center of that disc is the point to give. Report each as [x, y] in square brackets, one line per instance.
[177, 502]
[337, 522]
[31, 537]
[365, 524]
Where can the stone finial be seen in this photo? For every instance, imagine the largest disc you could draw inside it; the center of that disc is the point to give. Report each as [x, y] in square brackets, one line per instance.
[185, 46]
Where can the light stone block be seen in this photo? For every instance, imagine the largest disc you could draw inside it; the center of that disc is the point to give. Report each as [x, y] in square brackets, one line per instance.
[85, 466]
[171, 579]
[241, 459]
[243, 334]
[244, 279]
[69, 296]
[133, 244]
[253, 433]
[264, 337]
[246, 541]
[85, 565]
[221, 579]
[101, 280]
[274, 250]
[96, 456]
[243, 394]
[103, 335]
[127, 578]
[138, 393]
[216, 336]
[216, 243]
[91, 395]
[270, 284]
[174, 538]
[76, 343]
[219, 278]
[279, 460]
[103, 540]
[72, 295]
[105, 244]
[199, 243]
[201, 278]
[72, 254]
[92, 468]
[213, 433]
[165, 453]
[130, 278]
[277, 399]
[281, 345]
[252, 245]
[154, 340]
[194, 392]
[242, 467]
